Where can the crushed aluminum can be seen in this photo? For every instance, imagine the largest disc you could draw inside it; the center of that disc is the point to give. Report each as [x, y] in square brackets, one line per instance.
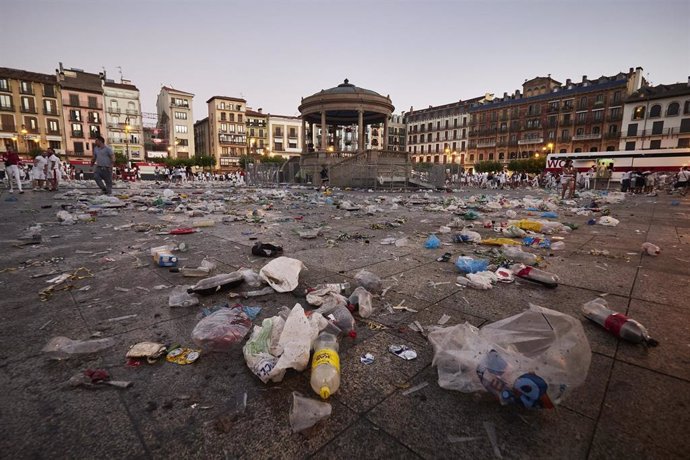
[182, 356]
[403, 352]
[366, 358]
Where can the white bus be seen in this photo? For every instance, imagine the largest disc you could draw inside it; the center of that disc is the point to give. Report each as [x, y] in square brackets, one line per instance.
[615, 163]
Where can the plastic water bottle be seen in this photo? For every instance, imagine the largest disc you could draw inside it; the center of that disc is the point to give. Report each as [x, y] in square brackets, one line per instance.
[651, 249]
[342, 318]
[534, 274]
[325, 365]
[518, 255]
[617, 323]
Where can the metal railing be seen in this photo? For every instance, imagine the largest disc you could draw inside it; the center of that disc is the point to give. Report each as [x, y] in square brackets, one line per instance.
[586, 137]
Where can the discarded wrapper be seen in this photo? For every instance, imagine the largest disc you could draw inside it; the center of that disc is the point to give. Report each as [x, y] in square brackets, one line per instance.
[403, 352]
[183, 356]
[366, 358]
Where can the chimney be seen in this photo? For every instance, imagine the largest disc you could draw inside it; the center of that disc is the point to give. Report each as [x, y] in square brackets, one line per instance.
[688, 81]
[62, 68]
[505, 96]
[631, 70]
[568, 81]
[517, 94]
[584, 78]
[261, 110]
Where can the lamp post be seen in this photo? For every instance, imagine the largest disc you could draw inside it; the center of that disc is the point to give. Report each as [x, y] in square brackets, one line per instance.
[127, 129]
[24, 134]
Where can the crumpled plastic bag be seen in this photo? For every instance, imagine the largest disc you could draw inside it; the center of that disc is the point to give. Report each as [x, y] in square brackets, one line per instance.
[432, 242]
[469, 265]
[327, 298]
[257, 351]
[608, 221]
[179, 297]
[282, 274]
[481, 280]
[369, 281]
[467, 236]
[296, 340]
[64, 347]
[532, 359]
[362, 299]
[222, 329]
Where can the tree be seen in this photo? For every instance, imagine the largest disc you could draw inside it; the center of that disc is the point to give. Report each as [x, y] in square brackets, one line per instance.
[529, 165]
[121, 158]
[488, 166]
[205, 161]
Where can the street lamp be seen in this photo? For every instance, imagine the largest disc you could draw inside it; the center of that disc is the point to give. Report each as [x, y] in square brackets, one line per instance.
[127, 129]
[24, 134]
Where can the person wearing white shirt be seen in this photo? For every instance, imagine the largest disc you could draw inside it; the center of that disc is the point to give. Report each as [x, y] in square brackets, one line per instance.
[625, 181]
[54, 170]
[40, 166]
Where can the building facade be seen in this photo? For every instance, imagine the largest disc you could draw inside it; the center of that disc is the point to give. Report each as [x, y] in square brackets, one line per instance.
[82, 104]
[285, 135]
[548, 116]
[396, 133]
[438, 134]
[201, 137]
[30, 112]
[176, 121]
[123, 120]
[227, 130]
[257, 132]
[154, 146]
[657, 117]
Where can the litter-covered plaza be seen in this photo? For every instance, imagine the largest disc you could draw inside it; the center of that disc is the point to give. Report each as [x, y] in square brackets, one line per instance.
[79, 265]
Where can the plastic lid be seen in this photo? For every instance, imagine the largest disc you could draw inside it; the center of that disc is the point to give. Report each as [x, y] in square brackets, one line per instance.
[325, 392]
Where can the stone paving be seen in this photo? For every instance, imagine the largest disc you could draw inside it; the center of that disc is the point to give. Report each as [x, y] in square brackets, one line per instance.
[634, 404]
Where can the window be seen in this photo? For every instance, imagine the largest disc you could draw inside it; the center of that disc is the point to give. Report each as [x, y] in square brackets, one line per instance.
[278, 145]
[630, 145]
[632, 129]
[49, 107]
[615, 113]
[613, 129]
[25, 87]
[231, 117]
[176, 101]
[657, 127]
[593, 149]
[75, 115]
[239, 118]
[94, 131]
[181, 115]
[638, 112]
[57, 145]
[7, 122]
[181, 129]
[4, 85]
[79, 148]
[685, 125]
[655, 144]
[53, 126]
[5, 101]
[686, 108]
[28, 104]
[600, 99]
[598, 115]
[673, 109]
[580, 131]
[583, 103]
[32, 124]
[596, 130]
[74, 100]
[578, 150]
[293, 132]
[94, 117]
[77, 130]
[684, 142]
[655, 111]
[180, 142]
[223, 127]
[617, 96]
[581, 117]
[48, 90]
[93, 102]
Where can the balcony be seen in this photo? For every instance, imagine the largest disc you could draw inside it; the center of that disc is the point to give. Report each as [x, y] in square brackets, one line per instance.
[491, 143]
[55, 132]
[533, 140]
[564, 139]
[616, 117]
[8, 129]
[653, 133]
[29, 90]
[77, 133]
[568, 122]
[552, 109]
[132, 112]
[581, 121]
[115, 110]
[586, 137]
[29, 110]
[183, 105]
[95, 121]
[52, 111]
[6, 89]
[613, 135]
[75, 119]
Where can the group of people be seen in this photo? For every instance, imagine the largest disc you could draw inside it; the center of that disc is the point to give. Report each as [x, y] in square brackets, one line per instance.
[177, 175]
[45, 173]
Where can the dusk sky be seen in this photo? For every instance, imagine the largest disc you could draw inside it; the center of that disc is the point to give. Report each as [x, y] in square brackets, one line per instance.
[421, 53]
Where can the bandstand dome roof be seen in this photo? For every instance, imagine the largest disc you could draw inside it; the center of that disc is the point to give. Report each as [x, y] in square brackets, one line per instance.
[342, 104]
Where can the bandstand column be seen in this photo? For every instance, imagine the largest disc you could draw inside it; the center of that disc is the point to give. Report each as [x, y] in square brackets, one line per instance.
[360, 131]
[304, 136]
[324, 132]
[385, 133]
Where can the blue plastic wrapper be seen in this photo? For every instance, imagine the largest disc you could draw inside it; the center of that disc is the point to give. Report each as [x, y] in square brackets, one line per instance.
[550, 214]
[543, 243]
[469, 265]
[591, 222]
[432, 242]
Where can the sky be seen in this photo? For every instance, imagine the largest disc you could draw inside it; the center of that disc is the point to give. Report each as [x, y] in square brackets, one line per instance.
[273, 53]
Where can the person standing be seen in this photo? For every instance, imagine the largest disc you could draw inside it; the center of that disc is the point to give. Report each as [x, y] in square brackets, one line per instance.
[568, 174]
[54, 170]
[683, 179]
[40, 168]
[324, 176]
[104, 158]
[12, 162]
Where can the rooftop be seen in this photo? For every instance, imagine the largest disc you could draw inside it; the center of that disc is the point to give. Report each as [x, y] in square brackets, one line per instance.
[661, 91]
[17, 74]
[112, 84]
[226, 98]
[178, 91]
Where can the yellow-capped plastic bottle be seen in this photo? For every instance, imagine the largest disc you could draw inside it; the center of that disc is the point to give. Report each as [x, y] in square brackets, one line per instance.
[325, 365]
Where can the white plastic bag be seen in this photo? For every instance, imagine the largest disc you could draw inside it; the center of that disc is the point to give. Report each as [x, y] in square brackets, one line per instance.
[282, 274]
[608, 221]
[179, 297]
[369, 281]
[532, 359]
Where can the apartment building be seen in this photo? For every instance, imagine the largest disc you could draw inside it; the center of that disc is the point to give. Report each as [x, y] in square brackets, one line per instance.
[176, 121]
[257, 132]
[439, 134]
[547, 116]
[396, 133]
[82, 110]
[657, 117]
[30, 112]
[285, 135]
[201, 137]
[123, 119]
[227, 130]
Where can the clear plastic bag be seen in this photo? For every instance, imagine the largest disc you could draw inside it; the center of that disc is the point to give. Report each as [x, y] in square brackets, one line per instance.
[469, 265]
[221, 330]
[369, 281]
[531, 359]
[180, 298]
[363, 300]
[64, 347]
